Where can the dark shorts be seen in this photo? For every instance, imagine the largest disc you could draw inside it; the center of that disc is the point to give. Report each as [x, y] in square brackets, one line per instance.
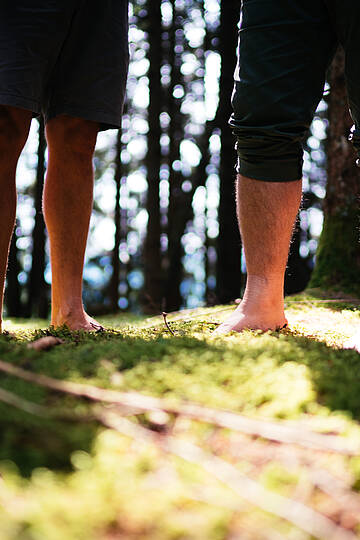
[285, 48]
[65, 57]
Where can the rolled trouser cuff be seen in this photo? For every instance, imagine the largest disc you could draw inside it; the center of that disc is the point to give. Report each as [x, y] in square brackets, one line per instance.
[265, 161]
[271, 170]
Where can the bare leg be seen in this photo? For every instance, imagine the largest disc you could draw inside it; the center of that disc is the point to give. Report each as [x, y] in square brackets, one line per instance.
[14, 129]
[67, 204]
[266, 213]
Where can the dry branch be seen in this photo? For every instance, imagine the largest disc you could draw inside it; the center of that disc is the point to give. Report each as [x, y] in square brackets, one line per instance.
[27, 406]
[45, 343]
[335, 488]
[164, 315]
[292, 511]
[325, 301]
[262, 453]
[43, 412]
[274, 431]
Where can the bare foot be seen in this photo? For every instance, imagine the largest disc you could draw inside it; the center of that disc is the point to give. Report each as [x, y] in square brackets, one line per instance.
[250, 318]
[77, 321]
[353, 342]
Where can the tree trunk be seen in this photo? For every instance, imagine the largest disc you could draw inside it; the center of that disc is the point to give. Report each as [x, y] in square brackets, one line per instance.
[38, 303]
[298, 271]
[115, 277]
[229, 243]
[338, 256]
[13, 303]
[177, 211]
[153, 287]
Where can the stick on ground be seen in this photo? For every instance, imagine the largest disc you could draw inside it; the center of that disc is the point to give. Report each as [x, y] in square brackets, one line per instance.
[292, 511]
[274, 431]
[248, 489]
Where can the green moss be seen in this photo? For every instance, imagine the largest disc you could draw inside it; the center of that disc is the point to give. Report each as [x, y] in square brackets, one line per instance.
[278, 478]
[338, 256]
[77, 480]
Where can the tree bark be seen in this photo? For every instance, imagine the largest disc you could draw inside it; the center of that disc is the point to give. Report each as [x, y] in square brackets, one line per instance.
[38, 302]
[298, 270]
[177, 211]
[338, 256]
[229, 243]
[153, 278]
[115, 277]
[14, 307]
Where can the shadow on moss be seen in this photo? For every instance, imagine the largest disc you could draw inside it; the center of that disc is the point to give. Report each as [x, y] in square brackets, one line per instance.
[271, 374]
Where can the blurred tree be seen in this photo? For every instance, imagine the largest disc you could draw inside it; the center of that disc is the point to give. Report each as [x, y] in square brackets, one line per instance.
[152, 257]
[37, 289]
[178, 209]
[338, 256]
[298, 270]
[172, 162]
[14, 306]
[229, 244]
[115, 276]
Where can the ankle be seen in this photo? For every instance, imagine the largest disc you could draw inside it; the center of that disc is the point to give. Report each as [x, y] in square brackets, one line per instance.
[67, 312]
[264, 291]
[273, 280]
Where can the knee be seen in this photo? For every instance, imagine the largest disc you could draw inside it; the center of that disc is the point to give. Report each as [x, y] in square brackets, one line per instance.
[72, 136]
[270, 127]
[14, 129]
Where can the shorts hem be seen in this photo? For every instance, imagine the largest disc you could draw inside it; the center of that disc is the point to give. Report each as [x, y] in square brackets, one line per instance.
[20, 102]
[270, 171]
[105, 120]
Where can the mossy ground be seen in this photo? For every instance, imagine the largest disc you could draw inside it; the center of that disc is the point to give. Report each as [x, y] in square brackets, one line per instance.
[339, 268]
[71, 481]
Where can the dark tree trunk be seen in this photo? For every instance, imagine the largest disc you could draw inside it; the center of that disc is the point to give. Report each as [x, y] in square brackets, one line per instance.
[338, 256]
[178, 211]
[198, 180]
[229, 243]
[153, 286]
[115, 277]
[38, 303]
[13, 303]
[298, 270]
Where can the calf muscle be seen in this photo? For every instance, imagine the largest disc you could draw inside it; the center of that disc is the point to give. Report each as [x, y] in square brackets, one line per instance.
[14, 128]
[266, 213]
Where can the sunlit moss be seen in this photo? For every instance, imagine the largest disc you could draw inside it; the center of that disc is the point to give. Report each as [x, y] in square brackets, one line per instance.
[77, 480]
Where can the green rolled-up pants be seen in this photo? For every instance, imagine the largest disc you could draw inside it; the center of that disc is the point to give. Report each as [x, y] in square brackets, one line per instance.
[285, 48]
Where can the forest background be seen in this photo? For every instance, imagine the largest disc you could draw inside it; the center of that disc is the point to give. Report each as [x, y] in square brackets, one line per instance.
[163, 233]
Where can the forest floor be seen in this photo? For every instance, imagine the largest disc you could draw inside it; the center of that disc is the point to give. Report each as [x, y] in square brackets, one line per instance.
[172, 434]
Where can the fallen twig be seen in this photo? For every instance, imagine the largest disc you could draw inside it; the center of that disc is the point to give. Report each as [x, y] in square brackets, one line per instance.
[324, 480]
[39, 410]
[45, 343]
[335, 488]
[296, 513]
[27, 406]
[187, 315]
[325, 301]
[163, 313]
[166, 323]
[292, 511]
[262, 453]
[269, 430]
